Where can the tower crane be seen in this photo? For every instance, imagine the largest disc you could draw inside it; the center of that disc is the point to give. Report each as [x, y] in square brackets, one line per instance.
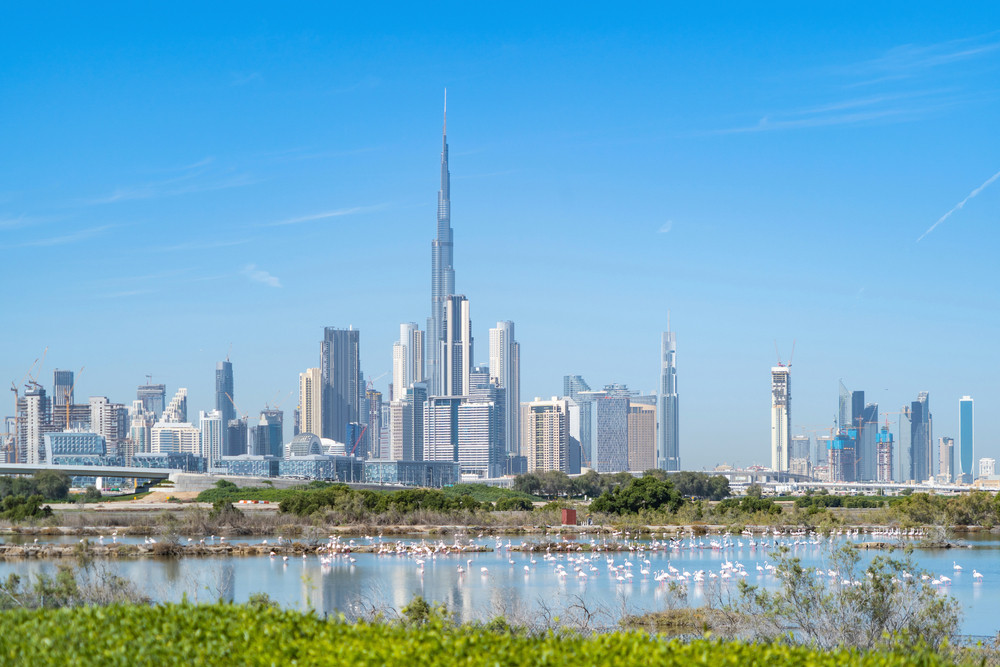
[69, 392]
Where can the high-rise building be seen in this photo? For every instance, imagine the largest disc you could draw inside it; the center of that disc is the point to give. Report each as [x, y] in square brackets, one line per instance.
[946, 459]
[237, 441]
[987, 467]
[844, 405]
[176, 411]
[401, 430]
[781, 417]
[505, 371]
[407, 358]
[801, 445]
[465, 430]
[456, 351]
[211, 436]
[574, 387]
[904, 452]
[442, 271]
[62, 388]
[175, 438]
[311, 402]
[867, 443]
[841, 458]
[342, 388]
[668, 445]
[641, 436]
[921, 432]
[225, 398]
[966, 438]
[268, 435]
[33, 422]
[110, 420]
[612, 434]
[822, 447]
[545, 438]
[140, 430]
[883, 448]
[373, 404]
[153, 397]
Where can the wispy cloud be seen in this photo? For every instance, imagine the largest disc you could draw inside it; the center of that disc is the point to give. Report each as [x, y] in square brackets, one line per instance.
[325, 215]
[124, 293]
[911, 59]
[665, 227]
[196, 177]
[64, 239]
[960, 205]
[261, 276]
[244, 79]
[203, 245]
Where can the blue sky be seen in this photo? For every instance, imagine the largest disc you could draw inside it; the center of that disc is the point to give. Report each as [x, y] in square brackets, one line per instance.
[183, 178]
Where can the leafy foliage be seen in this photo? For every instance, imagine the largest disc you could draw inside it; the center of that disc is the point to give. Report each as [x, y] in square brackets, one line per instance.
[701, 485]
[749, 505]
[641, 493]
[223, 634]
[19, 508]
[50, 484]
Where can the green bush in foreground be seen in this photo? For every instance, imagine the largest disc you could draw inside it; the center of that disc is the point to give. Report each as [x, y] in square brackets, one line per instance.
[223, 634]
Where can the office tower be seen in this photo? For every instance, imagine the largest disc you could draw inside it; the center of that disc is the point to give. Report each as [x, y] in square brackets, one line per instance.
[297, 422]
[844, 405]
[921, 452]
[140, 430]
[574, 387]
[417, 396]
[236, 443]
[153, 397]
[342, 388]
[268, 435]
[110, 420]
[841, 458]
[781, 416]
[175, 438]
[225, 398]
[211, 436]
[456, 352]
[966, 445]
[801, 445]
[176, 410]
[442, 271]
[575, 450]
[464, 430]
[987, 467]
[401, 430]
[612, 434]
[822, 447]
[641, 436]
[483, 387]
[668, 446]
[407, 357]
[545, 438]
[62, 389]
[310, 402]
[867, 443]
[946, 459]
[373, 402]
[883, 452]
[505, 371]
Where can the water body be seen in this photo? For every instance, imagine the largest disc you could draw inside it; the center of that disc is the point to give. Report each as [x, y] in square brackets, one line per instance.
[391, 581]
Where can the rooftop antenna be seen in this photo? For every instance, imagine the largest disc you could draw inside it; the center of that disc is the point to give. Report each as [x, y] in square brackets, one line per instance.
[229, 352]
[445, 129]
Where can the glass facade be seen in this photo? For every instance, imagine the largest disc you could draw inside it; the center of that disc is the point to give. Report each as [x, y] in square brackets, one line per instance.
[412, 473]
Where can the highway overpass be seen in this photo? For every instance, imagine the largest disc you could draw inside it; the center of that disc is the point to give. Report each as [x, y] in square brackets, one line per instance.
[89, 471]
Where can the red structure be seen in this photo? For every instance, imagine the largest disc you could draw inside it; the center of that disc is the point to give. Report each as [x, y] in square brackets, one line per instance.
[569, 517]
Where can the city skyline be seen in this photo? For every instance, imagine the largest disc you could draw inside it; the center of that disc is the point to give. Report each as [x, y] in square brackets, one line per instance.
[223, 212]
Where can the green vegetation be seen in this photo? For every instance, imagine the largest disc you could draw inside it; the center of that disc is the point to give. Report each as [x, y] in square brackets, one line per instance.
[883, 606]
[69, 587]
[261, 634]
[748, 505]
[359, 503]
[49, 484]
[701, 485]
[641, 493]
[19, 508]
[487, 494]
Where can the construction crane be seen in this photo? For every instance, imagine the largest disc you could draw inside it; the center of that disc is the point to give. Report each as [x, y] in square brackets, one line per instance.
[778, 354]
[17, 398]
[235, 407]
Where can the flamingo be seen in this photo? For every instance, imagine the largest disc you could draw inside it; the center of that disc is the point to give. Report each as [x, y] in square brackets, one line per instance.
[977, 575]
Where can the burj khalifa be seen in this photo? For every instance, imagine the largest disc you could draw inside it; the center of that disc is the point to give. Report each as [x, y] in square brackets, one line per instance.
[442, 268]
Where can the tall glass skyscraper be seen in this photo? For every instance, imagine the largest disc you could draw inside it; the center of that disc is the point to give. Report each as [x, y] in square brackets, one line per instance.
[224, 402]
[342, 387]
[574, 387]
[668, 453]
[965, 437]
[921, 451]
[781, 417]
[442, 269]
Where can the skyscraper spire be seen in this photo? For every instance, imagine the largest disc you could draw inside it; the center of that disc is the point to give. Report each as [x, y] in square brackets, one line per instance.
[442, 267]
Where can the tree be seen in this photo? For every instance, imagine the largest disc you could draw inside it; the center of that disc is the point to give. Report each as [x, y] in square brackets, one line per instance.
[643, 493]
[51, 484]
